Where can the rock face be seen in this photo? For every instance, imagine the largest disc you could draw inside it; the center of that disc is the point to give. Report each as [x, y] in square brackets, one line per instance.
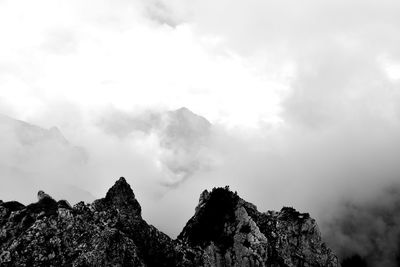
[231, 232]
[225, 231]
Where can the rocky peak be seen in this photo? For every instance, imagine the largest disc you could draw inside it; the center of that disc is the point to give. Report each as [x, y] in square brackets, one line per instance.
[231, 230]
[42, 195]
[291, 214]
[121, 196]
[204, 196]
[224, 231]
[215, 209]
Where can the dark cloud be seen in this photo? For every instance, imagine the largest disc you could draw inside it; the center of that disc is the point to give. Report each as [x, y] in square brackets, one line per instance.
[368, 229]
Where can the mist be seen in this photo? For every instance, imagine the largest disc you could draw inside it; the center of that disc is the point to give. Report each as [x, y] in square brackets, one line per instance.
[291, 104]
[368, 229]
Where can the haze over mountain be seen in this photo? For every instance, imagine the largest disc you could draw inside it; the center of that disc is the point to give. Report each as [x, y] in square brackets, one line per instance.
[183, 138]
[33, 157]
[301, 98]
[189, 142]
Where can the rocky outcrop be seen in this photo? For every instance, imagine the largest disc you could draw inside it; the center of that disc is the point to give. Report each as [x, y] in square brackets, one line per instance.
[231, 232]
[225, 231]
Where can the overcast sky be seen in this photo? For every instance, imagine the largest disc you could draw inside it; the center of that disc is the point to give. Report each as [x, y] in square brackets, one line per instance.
[303, 98]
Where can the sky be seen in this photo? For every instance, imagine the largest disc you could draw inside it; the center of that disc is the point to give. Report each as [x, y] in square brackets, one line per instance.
[290, 103]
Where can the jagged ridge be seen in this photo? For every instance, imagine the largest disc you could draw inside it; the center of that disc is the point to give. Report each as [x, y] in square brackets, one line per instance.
[225, 231]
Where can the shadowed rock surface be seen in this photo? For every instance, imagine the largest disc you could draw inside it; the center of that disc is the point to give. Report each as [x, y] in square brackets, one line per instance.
[232, 232]
[225, 231]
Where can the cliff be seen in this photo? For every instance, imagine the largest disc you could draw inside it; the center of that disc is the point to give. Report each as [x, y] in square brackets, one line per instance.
[225, 231]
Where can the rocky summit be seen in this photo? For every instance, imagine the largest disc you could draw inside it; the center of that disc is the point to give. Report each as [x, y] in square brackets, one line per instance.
[224, 231]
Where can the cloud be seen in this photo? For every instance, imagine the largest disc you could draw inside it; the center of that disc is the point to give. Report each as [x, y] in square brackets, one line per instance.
[302, 101]
[300, 28]
[60, 41]
[183, 139]
[162, 13]
[116, 54]
[32, 157]
[370, 229]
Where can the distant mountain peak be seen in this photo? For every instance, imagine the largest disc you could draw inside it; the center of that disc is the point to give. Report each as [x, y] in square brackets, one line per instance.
[184, 110]
[57, 135]
[29, 134]
[187, 114]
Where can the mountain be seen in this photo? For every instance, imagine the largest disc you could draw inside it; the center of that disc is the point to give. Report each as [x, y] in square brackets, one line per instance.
[225, 231]
[234, 233]
[29, 134]
[183, 139]
[32, 156]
